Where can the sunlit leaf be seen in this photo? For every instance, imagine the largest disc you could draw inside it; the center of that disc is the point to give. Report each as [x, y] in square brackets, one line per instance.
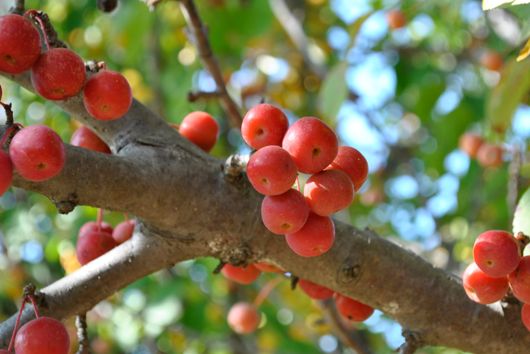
[525, 52]
[334, 91]
[491, 4]
[355, 27]
[521, 219]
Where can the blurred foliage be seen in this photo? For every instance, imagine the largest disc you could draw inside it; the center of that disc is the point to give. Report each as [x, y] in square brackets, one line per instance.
[403, 97]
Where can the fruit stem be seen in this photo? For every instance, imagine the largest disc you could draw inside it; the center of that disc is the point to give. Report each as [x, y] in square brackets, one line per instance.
[36, 15]
[522, 240]
[99, 219]
[17, 323]
[264, 293]
[298, 183]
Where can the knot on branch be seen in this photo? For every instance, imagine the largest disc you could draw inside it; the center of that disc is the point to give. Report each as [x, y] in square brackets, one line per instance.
[233, 167]
[348, 272]
[412, 342]
[67, 205]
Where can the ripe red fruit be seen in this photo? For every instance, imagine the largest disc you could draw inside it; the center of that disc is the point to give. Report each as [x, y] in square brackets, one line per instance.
[311, 143]
[37, 153]
[242, 275]
[4, 351]
[352, 309]
[496, 253]
[86, 138]
[315, 238]
[482, 288]
[92, 226]
[19, 44]
[490, 155]
[44, 335]
[285, 213]
[315, 291]
[271, 170]
[6, 172]
[328, 192]
[264, 125]
[396, 19]
[93, 244]
[492, 60]
[520, 280]
[353, 163]
[470, 143]
[107, 95]
[58, 74]
[243, 318]
[525, 315]
[123, 231]
[201, 129]
[269, 268]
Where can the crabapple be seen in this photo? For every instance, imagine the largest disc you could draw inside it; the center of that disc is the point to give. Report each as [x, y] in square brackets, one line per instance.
[470, 143]
[123, 231]
[201, 129]
[353, 163]
[6, 172]
[19, 44]
[107, 95]
[37, 153]
[496, 253]
[328, 192]
[489, 155]
[94, 226]
[267, 267]
[93, 244]
[86, 138]
[58, 74]
[44, 335]
[311, 144]
[396, 19]
[284, 213]
[4, 351]
[519, 280]
[315, 238]
[492, 60]
[241, 275]
[525, 315]
[482, 288]
[243, 318]
[271, 170]
[315, 291]
[264, 125]
[352, 309]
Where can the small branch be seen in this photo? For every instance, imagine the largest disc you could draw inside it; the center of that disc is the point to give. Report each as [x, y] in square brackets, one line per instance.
[219, 267]
[202, 43]
[202, 95]
[49, 31]
[82, 335]
[412, 342]
[19, 7]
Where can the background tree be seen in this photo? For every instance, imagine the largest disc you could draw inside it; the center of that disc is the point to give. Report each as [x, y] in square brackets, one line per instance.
[402, 89]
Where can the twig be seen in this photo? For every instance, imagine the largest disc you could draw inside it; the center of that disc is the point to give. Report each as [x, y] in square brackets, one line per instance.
[219, 267]
[47, 27]
[347, 336]
[202, 43]
[82, 335]
[514, 179]
[202, 95]
[19, 7]
[412, 342]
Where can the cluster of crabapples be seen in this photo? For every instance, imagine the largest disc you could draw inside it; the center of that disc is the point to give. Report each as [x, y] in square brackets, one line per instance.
[499, 266]
[487, 154]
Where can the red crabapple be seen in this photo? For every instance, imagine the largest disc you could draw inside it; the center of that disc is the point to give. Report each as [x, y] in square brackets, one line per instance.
[268, 268]
[285, 213]
[492, 60]
[525, 315]
[37, 153]
[315, 238]
[264, 125]
[4, 351]
[58, 74]
[311, 143]
[352, 309]
[271, 170]
[107, 95]
[470, 143]
[396, 19]
[519, 280]
[353, 163]
[242, 275]
[44, 335]
[201, 129]
[86, 138]
[123, 231]
[19, 44]
[315, 291]
[490, 155]
[6, 172]
[92, 226]
[328, 192]
[93, 244]
[496, 253]
[482, 288]
[243, 318]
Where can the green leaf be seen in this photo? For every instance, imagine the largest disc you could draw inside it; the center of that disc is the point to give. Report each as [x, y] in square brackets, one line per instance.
[491, 4]
[333, 91]
[521, 219]
[507, 95]
[355, 27]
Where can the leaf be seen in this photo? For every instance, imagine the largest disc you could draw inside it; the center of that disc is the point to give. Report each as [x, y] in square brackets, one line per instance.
[491, 4]
[333, 91]
[507, 95]
[355, 27]
[525, 52]
[521, 219]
